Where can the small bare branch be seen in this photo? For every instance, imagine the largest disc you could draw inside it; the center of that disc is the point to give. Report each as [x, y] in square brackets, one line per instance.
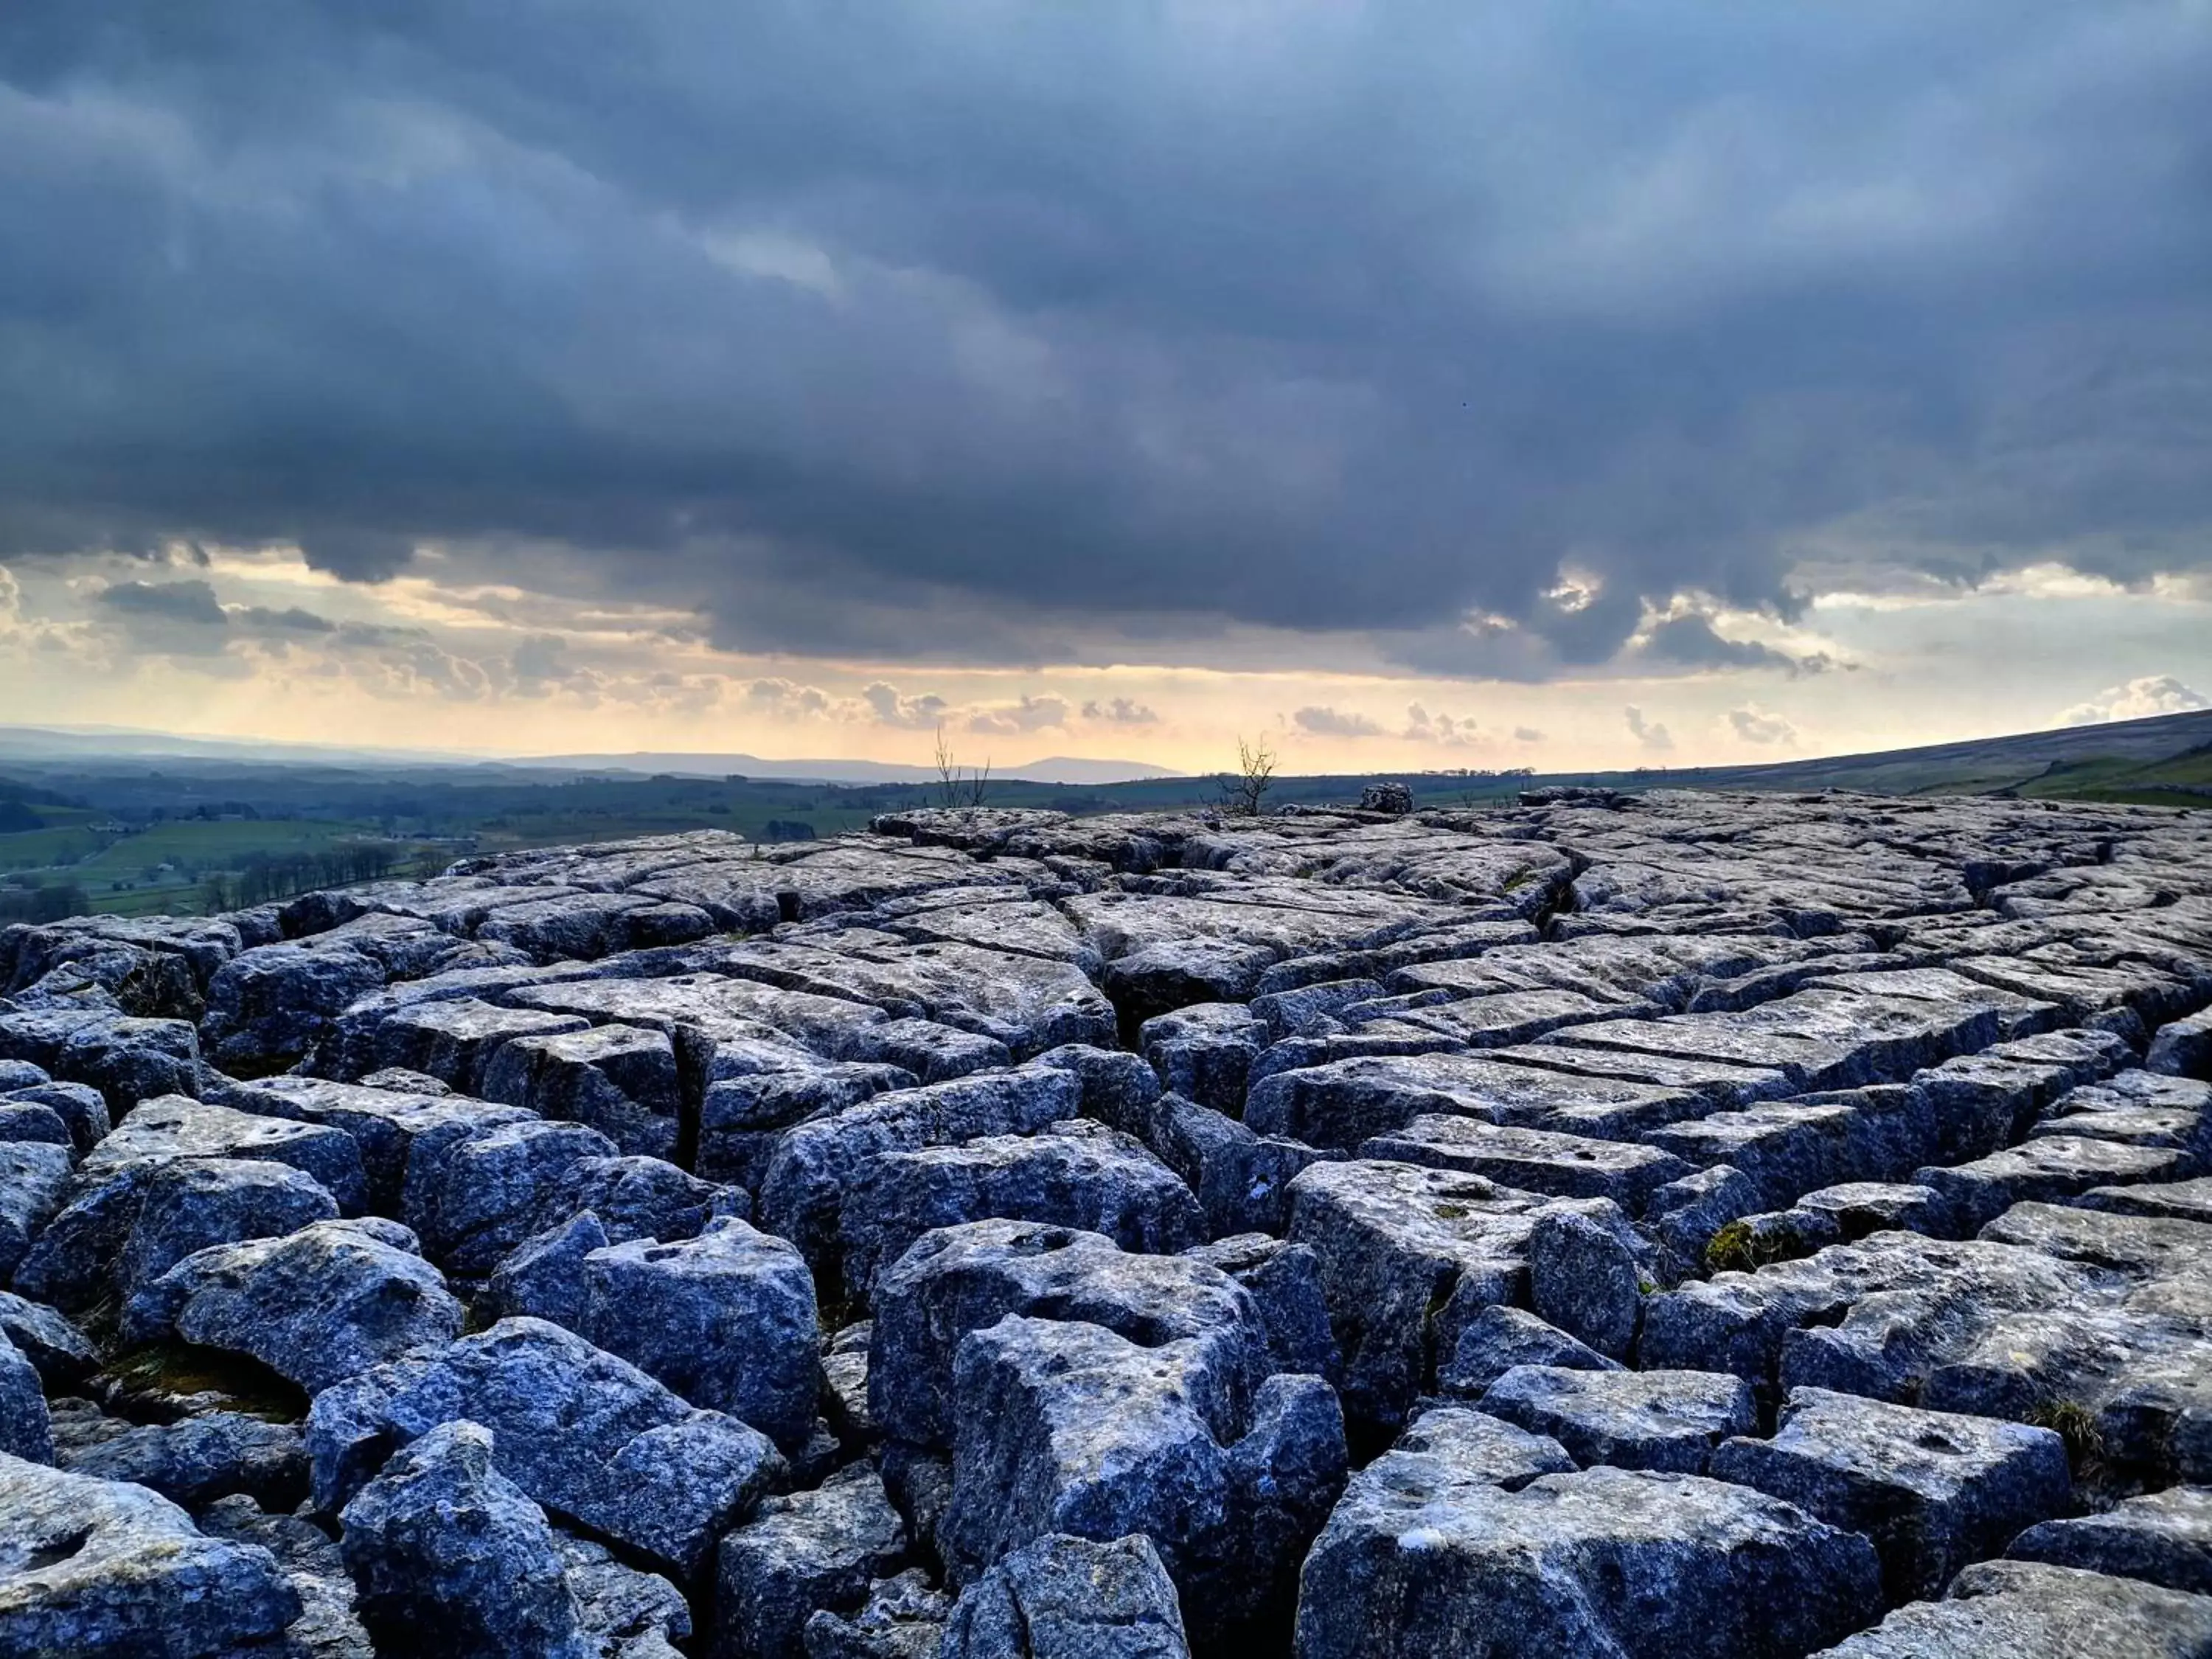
[948, 771]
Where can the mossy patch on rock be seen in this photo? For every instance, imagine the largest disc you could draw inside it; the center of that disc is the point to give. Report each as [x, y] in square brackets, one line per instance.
[1742, 1248]
[172, 1379]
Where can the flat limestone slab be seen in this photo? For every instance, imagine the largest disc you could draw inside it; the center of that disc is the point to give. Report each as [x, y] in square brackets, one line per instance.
[1934, 1490]
[2161, 1537]
[1666, 1420]
[2020, 1610]
[2182, 1200]
[1534, 1160]
[1347, 1101]
[1605, 1561]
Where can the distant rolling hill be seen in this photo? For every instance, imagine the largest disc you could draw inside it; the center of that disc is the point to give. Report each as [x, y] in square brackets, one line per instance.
[93, 743]
[82, 743]
[2167, 757]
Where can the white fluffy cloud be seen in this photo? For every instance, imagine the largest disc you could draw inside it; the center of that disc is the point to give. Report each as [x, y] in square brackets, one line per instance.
[908, 713]
[2139, 699]
[786, 699]
[1453, 731]
[1652, 735]
[1121, 711]
[1324, 721]
[1013, 718]
[1755, 724]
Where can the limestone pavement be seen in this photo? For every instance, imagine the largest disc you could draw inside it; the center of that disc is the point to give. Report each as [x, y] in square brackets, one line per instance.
[1656, 1226]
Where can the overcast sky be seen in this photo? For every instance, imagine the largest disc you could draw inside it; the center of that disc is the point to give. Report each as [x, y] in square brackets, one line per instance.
[1454, 383]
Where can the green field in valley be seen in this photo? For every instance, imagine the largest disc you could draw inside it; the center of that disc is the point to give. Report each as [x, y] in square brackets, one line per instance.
[163, 868]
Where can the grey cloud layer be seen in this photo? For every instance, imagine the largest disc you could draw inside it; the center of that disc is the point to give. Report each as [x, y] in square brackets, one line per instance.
[186, 619]
[1690, 640]
[1088, 333]
[1326, 722]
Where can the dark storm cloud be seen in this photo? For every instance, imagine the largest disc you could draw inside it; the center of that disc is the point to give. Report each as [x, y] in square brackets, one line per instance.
[946, 333]
[190, 602]
[193, 602]
[355, 554]
[292, 619]
[1689, 639]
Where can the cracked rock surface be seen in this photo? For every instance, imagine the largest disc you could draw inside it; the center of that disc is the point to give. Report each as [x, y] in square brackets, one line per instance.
[1647, 1226]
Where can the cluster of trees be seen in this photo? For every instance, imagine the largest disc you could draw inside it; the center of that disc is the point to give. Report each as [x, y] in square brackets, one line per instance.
[265, 877]
[44, 903]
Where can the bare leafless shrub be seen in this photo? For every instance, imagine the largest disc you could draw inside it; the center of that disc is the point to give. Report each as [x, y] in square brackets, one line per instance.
[956, 786]
[1244, 792]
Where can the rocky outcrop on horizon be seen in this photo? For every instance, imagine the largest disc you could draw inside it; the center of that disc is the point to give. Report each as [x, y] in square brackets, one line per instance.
[1659, 1226]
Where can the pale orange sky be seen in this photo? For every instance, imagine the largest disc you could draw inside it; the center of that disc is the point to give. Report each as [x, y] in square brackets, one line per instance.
[505, 672]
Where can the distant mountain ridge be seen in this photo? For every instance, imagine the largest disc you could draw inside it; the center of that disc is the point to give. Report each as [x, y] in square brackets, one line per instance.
[1054, 768]
[111, 742]
[59, 743]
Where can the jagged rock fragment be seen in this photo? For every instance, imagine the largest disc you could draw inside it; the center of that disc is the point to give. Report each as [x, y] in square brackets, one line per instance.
[316, 1306]
[453, 1559]
[814, 1552]
[101, 1567]
[586, 1434]
[1071, 1598]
